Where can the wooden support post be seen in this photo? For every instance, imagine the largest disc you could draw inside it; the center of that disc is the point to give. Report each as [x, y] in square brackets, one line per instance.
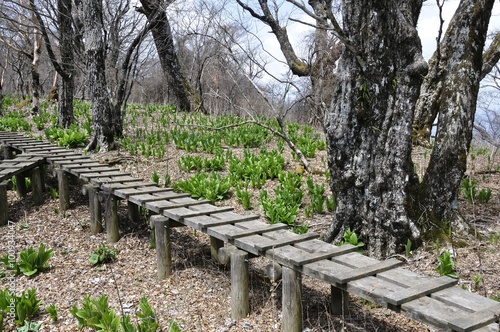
[215, 245]
[62, 180]
[8, 152]
[163, 246]
[21, 185]
[133, 212]
[112, 229]
[274, 271]
[4, 204]
[37, 185]
[339, 304]
[292, 300]
[240, 304]
[94, 207]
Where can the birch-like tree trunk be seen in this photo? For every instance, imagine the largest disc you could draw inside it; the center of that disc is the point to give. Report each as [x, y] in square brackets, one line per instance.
[164, 41]
[35, 72]
[450, 90]
[368, 127]
[96, 70]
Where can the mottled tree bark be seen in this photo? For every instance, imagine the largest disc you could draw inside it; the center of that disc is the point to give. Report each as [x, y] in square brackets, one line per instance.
[35, 74]
[164, 41]
[96, 70]
[368, 127]
[65, 68]
[451, 91]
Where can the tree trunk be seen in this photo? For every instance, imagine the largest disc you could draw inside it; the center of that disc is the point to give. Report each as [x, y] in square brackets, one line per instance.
[65, 115]
[164, 41]
[35, 74]
[368, 127]
[96, 69]
[453, 96]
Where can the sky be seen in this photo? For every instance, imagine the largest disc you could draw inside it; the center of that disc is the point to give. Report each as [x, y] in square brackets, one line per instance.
[428, 27]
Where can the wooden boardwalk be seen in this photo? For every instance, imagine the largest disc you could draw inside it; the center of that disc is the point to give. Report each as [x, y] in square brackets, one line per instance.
[437, 302]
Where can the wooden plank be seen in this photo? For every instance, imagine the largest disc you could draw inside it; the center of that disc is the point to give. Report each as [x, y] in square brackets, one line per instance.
[127, 185]
[159, 206]
[142, 199]
[256, 231]
[90, 176]
[60, 157]
[472, 321]
[203, 222]
[179, 214]
[346, 276]
[288, 241]
[91, 169]
[422, 289]
[105, 180]
[464, 299]
[152, 188]
[292, 256]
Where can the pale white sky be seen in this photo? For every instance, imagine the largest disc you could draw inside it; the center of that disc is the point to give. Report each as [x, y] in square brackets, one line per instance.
[428, 27]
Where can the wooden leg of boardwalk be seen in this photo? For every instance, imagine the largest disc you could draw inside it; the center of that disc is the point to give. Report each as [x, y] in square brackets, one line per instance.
[162, 229]
[339, 304]
[94, 207]
[215, 245]
[4, 204]
[37, 185]
[163, 246]
[292, 300]
[240, 303]
[8, 152]
[112, 229]
[21, 185]
[62, 180]
[133, 212]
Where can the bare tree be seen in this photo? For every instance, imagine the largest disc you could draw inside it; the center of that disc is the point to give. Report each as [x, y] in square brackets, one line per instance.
[181, 91]
[64, 66]
[370, 120]
[95, 53]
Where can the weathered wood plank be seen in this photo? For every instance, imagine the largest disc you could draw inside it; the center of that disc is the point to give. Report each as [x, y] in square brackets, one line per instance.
[204, 222]
[421, 289]
[287, 241]
[352, 274]
[256, 231]
[89, 176]
[295, 257]
[471, 321]
[126, 185]
[179, 214]
[127, 192]
[91, 169]
[159, 206]
[142, 199]
[105, 180]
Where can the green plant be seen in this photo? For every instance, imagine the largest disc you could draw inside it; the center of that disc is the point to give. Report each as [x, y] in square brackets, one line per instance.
[167, 181]
[350, 237]
[30, 261]
[155, 177]
[53, 193]
[316, 193]
[29, 327]
[493, 238]
[52, 311]
[477, 280]
[484, 195]
[330, 203]
[103, 254]
[96, 314]
[468, 188]
[408, 248]
[26, 306]
[212, 186]
[446, 265]
[244, 197]
[300, 229]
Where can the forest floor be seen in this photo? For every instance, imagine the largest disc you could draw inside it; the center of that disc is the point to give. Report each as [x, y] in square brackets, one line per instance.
[196, 296]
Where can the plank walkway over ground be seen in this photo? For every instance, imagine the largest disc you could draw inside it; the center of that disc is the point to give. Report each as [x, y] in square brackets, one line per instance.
[437, 302]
